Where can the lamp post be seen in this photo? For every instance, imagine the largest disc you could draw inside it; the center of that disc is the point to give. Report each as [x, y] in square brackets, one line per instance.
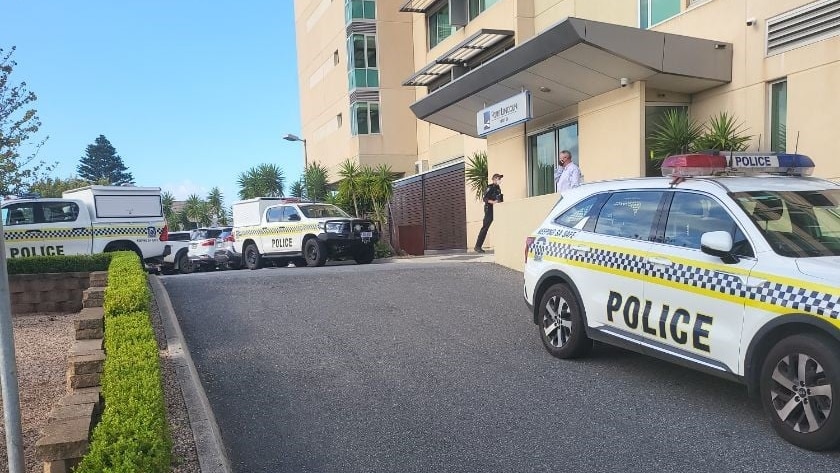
[291, 137]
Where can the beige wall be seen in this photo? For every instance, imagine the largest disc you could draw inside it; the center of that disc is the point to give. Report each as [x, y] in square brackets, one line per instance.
[324, 91]
[526, 215]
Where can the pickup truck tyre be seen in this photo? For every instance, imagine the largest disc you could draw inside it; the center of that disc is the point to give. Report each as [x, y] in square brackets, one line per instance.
[315, 252]
[252, 257]
[365, 254]
[185, 266]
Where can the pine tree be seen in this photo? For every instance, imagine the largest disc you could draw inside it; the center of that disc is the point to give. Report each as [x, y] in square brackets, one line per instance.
[101, 161]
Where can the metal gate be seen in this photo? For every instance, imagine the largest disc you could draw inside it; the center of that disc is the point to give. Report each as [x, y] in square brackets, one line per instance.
[428, 211]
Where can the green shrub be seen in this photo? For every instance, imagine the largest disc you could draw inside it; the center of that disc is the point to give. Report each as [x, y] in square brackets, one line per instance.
[132, 435]
[382, 250]
[59, 264]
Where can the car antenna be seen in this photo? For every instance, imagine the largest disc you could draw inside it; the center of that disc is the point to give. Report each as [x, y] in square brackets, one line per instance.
[796, 148]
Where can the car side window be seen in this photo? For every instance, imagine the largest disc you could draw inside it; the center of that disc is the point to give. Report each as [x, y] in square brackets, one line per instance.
[577, 215]
[629, 214]
[60, 211]
[290, 214]
[20, 214]
[691, 215]
[274, 214]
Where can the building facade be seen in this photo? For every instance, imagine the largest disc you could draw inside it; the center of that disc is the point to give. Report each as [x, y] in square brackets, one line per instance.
[600, 74]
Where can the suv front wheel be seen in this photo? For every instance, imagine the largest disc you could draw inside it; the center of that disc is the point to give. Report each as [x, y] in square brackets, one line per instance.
[799, 378]
[561, 323]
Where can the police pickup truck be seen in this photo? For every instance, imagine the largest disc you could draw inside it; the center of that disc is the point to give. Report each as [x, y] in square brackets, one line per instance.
[92, 219]
[304, 233]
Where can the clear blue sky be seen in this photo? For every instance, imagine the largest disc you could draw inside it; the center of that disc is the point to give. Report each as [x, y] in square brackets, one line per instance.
[190, 93]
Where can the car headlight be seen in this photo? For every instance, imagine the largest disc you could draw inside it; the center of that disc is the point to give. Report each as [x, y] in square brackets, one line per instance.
[334, 227]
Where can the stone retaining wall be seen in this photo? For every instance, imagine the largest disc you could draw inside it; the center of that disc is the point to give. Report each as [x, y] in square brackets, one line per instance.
[51, 292]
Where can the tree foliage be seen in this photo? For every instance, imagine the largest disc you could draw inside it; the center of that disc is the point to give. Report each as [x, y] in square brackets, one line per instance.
[101, 162]
[316, 182]
[54, 187]
[351, 183]
[18, 123]
[264, 180]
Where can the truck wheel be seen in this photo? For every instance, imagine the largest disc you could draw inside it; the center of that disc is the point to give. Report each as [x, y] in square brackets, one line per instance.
[799, 379]
[185, 266]
[252, 256]
[315, 252]
[365, 255]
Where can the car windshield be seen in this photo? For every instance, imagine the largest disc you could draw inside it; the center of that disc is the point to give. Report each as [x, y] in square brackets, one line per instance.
[796, 223]
[204, 233]
[322, 211]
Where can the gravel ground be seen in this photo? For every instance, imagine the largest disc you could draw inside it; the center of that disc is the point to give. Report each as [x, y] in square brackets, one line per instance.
[42, 343]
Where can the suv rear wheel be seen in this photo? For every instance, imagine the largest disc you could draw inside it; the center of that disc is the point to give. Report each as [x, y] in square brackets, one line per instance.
[561, 323]
[799, 377]
[252, 256]
[185, 266]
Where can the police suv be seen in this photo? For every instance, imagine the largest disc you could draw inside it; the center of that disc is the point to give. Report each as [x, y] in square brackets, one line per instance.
[728, 264]
[304, 233]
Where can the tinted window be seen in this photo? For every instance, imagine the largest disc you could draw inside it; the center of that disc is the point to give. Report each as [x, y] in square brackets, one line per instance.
[178, 236]
[577, 215]
[290, 214]
[60, 211]
[274, 214]
[629, 214]
[19, 214]
[322, 211]
[691, 215]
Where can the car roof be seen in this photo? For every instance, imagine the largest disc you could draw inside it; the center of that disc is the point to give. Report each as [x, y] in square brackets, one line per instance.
[708, 183]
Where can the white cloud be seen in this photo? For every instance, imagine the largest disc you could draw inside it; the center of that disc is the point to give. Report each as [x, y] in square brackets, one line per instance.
[182, 190]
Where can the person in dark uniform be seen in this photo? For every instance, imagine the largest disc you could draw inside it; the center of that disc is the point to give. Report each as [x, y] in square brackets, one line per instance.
[492, 196]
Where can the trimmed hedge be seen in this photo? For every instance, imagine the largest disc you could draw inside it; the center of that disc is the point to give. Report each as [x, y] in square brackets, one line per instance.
[133, 435]
[59, 264]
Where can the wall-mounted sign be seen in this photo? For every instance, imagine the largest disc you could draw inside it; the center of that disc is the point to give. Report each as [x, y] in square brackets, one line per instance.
[512, 111]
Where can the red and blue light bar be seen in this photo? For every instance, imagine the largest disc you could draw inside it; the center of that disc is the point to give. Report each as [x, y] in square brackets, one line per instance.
[737, 163]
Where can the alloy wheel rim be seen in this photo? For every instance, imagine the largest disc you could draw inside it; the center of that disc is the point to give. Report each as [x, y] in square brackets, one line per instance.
[557, 321]
[801, 393]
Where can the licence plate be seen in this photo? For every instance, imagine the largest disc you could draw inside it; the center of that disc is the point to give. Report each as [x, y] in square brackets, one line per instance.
[367, 234]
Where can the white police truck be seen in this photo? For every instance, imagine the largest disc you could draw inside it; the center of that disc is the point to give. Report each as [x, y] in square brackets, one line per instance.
[727, 264]
[304, 233]
[92, 219]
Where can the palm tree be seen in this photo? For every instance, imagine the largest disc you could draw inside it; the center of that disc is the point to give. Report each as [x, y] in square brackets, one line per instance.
[351, 182]
[723, 133]
[215, 204]
[167, 200]
[315, 181]
[197, 210]
[297, 189]
[476, 173]
[264, 180]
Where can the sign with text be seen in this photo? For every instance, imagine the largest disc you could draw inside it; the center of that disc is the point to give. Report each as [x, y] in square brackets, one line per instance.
[512, 111]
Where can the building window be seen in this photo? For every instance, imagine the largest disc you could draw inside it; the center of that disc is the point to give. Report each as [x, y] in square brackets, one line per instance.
[778, 116]
[365, 118]
[359, 10]
[478, 6]
[542, 156]
[361, 61]
[652, 12]
[439, 26]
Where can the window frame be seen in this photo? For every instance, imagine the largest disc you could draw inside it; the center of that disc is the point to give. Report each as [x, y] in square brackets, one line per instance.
[370, 72]
[354, 122]
[771, 132]
[433, 13]
[556, 130]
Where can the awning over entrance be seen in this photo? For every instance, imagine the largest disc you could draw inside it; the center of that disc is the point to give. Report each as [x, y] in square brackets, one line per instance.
[575, 60]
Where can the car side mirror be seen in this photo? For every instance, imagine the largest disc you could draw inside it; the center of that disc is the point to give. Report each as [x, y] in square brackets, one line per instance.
[718, 244]
[294, 218]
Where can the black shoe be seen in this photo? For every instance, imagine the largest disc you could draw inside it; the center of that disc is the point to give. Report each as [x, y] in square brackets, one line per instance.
[478, 250]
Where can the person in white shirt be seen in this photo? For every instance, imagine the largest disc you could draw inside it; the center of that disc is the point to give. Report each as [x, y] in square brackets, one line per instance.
[566, 173]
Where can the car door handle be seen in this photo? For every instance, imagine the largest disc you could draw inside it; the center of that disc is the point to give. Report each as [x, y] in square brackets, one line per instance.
[79, 229]
[581, 248]
[660, 261]
[33, 231]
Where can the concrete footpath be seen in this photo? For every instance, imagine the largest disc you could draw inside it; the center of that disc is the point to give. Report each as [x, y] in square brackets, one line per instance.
[211, 452]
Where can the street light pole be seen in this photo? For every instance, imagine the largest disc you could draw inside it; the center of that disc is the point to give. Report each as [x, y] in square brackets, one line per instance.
[8, 370]
[291, 137]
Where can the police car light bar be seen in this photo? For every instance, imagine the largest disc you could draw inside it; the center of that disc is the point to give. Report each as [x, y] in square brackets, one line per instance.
[738, 163]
